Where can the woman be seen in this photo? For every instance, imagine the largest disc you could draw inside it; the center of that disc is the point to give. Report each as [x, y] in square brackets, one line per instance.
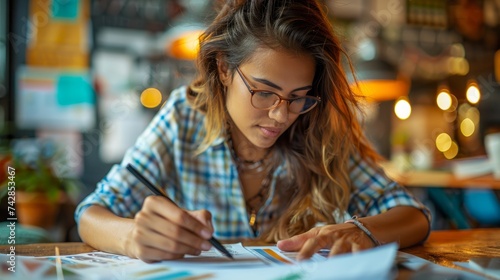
[264, 143]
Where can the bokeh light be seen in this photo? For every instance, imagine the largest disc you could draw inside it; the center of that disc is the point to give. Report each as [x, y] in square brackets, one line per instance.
[187, 46]
[473, 114]
[467, 127]
[151, 98]
[402, 109]
[452, 152]
[473, 94]
[443, 142]
[443, 100]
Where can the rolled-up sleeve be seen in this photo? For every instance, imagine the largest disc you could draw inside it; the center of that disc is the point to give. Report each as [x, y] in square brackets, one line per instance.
[375, 193]
[119, 191]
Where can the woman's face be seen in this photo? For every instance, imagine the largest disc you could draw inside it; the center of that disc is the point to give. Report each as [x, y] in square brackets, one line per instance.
[288, 74]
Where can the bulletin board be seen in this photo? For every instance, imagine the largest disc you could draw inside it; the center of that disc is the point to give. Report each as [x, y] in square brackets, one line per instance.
[58, 33]
[54, 88]
[50, 98]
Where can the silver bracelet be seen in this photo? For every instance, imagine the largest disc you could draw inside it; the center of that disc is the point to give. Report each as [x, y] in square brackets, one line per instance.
[354, 220]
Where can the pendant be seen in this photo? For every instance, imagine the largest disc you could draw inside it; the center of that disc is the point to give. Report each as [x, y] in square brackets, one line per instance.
[251, 222]
[253, 216]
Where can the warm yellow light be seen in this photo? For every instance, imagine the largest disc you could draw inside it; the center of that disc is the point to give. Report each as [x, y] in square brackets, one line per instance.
[443, 142]
[402, 109]
[473, 114]
[151, 98]
[443, 100]
[452, 152]
[473, 94]
[463, 108]
[382, 90]
[458, 66]
[467, 127]
[186, 46]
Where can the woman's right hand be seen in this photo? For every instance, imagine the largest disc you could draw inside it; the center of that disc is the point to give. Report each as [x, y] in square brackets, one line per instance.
[162, 231]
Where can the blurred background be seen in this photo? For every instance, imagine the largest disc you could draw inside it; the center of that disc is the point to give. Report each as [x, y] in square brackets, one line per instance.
[80, 80]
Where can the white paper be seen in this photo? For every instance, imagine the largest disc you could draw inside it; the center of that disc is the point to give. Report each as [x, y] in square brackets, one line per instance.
[250, 263]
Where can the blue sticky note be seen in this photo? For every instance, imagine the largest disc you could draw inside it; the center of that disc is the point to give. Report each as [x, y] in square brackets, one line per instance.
[73, 90]
[65, 9]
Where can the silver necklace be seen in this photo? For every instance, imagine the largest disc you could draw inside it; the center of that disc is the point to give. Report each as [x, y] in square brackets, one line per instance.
[248, 165]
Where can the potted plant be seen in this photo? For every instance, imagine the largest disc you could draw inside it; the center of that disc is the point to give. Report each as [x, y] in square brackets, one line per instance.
[39, 191]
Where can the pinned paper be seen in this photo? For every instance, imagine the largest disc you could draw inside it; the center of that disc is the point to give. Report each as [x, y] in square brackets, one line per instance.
[54, 99]
[67, 10]
[73, 90]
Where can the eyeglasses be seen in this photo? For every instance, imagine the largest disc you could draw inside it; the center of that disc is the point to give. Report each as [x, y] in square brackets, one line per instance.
[266, 100]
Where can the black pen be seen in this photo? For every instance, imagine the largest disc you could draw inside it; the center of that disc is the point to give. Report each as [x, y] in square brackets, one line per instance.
[158, 191]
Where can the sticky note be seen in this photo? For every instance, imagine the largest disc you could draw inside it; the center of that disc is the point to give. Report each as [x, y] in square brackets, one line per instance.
[65, 9]
[73, 90]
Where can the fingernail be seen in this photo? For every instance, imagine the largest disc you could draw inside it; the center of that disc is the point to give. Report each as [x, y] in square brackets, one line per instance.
[206, 246]
[205, 234]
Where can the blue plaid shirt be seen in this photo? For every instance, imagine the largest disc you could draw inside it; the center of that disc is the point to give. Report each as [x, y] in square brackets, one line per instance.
[165, 154]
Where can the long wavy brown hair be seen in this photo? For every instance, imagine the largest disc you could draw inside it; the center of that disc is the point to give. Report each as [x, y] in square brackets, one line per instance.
[317, 147]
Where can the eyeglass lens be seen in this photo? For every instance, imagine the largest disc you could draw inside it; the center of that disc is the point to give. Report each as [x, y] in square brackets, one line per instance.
[267, 100]
[262, 99]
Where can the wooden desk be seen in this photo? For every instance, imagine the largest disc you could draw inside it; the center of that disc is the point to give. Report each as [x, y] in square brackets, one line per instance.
[447, 246]
[438, 185]
[439, 179]
[442, 247]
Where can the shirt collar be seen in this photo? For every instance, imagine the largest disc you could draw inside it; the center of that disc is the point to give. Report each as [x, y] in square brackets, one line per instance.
[219, 141]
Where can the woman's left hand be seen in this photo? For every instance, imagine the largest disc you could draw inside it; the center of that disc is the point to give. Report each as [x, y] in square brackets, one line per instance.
[339, 238]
